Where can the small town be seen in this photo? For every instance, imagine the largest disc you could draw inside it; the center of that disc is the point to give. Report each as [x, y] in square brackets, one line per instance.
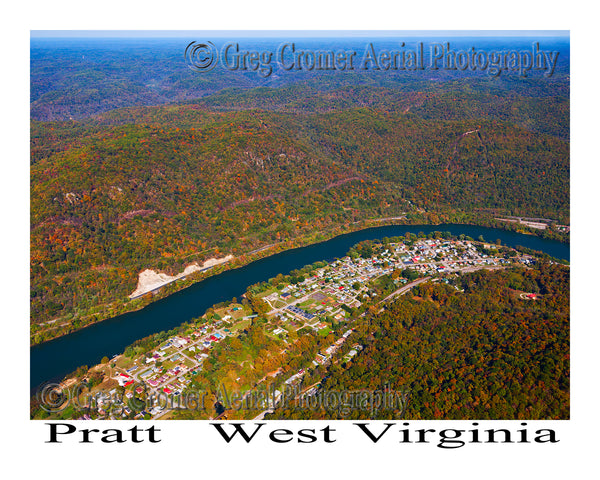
[335, 294]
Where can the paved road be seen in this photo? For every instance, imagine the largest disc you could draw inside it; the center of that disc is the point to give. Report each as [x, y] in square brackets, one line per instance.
[405, 288]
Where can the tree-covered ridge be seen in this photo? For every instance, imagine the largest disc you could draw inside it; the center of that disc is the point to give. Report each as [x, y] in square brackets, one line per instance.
[530, 106]
[460, 163]
[476, 159]
[485, 353]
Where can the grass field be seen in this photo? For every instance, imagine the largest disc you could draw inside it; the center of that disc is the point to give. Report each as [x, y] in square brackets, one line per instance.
[325, 331]
[240, 325]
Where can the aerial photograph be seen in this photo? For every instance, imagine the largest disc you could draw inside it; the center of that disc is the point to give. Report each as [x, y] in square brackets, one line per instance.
[299, 225]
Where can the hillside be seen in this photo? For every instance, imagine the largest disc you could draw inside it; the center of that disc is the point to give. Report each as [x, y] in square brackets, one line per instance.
[477, 351]
[161, 187]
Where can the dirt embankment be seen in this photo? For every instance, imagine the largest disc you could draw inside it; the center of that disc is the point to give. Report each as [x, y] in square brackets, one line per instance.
[150, 280]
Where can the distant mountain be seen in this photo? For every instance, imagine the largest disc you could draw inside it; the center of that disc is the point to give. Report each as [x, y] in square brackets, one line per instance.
[78, 78]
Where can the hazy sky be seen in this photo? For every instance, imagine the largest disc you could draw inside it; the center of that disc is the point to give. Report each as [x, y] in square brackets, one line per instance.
[297, 33]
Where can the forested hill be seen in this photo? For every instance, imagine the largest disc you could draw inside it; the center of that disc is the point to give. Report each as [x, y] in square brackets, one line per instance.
[159, 187]
[534, 104]
[474, 349]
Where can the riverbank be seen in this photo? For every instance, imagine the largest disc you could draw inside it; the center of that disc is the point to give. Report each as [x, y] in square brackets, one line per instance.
[150, 280]
[170, 287]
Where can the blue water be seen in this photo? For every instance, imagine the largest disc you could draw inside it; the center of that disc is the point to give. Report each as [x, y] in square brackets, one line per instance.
[56, 358]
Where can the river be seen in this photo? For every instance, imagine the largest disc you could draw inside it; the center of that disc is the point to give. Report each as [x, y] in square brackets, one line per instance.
[54, 359]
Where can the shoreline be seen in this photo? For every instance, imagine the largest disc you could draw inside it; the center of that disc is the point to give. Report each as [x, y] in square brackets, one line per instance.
[273, 249]
[150, 280]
